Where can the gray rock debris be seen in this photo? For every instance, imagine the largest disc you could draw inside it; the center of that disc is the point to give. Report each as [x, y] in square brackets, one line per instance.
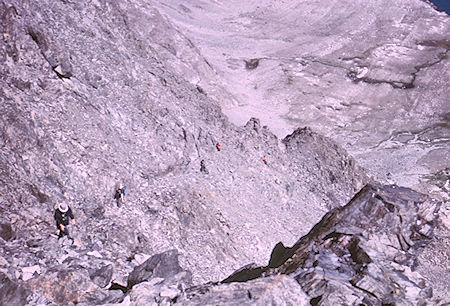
[93, 94]
[365, 252]
[131, 113]
[372, 79]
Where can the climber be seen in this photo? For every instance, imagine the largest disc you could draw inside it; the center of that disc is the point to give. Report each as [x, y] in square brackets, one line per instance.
[63, 214]
[203, 167]
[218, 146]
[265, 160]
[120, 195]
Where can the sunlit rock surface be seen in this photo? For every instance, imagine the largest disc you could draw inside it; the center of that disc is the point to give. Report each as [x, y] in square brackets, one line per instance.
[373, 75]
[98, 94]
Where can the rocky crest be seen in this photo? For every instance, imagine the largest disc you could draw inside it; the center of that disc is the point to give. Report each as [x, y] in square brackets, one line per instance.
[362, 253]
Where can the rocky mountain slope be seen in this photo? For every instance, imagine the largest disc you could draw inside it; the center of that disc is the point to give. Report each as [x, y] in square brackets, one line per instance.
[93, 95]
[348, 258]
[372, 75]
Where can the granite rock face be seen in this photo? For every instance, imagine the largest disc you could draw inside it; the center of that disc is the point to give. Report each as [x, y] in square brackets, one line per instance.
[102, 94]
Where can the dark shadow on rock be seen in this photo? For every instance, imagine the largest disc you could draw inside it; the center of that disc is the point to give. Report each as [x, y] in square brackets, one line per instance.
[358, 255]
[279, 255]
[6, 231]
[116, 286]
[251, 63]
[315, 301]
[245, 273]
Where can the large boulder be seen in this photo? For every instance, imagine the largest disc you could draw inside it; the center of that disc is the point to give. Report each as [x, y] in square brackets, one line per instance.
[6, 231]
[12, 293]
[102, 276]
[163, 265]
[62, 285]
[273, 290]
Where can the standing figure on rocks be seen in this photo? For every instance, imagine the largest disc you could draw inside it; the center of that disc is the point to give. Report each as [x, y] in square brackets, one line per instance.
[120, 195]
[203, 167]
[218, 146]
[265, 160]
[62, 215]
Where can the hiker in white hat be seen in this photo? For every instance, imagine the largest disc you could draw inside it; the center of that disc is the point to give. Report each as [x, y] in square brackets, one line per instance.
[63, 214]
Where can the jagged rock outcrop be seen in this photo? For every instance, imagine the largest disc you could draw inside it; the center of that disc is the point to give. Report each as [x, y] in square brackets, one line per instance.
[160, 279]
[372, 79]
[107, 93]
[363, 253]
[100, 94]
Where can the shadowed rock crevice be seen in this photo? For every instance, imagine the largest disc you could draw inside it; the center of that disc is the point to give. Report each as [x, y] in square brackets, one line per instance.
[116, 286]
[279, 255]
[357, 254]
[59, 63]
[252, 63]
[246, 273]
[315, 301]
